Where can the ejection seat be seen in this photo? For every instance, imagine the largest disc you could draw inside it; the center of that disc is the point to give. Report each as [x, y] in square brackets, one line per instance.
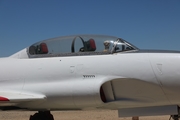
[89, 45]
[43, 48]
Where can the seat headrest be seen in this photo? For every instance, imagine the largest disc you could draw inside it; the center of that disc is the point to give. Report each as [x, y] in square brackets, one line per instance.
[91, 46]
[44, 49]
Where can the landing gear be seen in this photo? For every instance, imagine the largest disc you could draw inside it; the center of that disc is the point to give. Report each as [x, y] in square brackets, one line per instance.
[42, 115]
[174, 117]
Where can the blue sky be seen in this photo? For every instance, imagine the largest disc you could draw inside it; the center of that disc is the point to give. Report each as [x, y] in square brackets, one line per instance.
[148, 24]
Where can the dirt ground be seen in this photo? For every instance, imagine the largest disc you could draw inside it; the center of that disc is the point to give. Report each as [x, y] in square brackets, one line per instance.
[74, 115]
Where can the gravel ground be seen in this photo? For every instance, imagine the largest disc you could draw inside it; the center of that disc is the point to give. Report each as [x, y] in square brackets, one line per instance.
[74, 115]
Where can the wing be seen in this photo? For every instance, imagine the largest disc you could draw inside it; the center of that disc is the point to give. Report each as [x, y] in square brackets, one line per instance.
[9, 98]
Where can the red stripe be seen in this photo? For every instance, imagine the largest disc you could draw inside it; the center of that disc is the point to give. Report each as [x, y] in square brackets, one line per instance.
[3, 99]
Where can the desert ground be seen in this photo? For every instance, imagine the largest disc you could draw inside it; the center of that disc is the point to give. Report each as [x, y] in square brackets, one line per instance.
[75, 115]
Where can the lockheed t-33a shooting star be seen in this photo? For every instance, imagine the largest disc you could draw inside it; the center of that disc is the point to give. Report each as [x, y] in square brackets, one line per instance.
[84, 72]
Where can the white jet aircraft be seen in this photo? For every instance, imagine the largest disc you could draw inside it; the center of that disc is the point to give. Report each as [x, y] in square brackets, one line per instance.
[88, 72]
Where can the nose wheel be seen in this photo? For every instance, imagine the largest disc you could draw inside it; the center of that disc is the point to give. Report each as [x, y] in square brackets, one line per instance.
[42, 115]
[174, 117]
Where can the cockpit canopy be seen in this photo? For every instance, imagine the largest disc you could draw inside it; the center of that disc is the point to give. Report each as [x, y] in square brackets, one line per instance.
[79, 45]
[76, 45]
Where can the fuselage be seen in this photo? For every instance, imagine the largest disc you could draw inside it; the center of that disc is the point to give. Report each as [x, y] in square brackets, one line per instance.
[136, 79]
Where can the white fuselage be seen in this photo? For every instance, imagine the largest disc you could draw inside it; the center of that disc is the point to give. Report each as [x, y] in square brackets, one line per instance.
[136, 80]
